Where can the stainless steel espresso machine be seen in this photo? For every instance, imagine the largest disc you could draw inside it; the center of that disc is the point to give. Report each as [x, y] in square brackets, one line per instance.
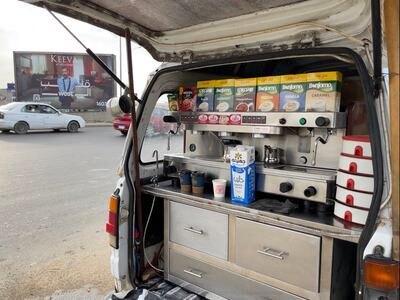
[296, 152]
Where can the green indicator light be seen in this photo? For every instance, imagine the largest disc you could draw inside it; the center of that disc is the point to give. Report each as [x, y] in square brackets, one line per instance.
[302, 121]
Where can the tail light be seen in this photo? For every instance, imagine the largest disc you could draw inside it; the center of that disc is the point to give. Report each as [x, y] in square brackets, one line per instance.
[113, 221]
[381, 273]
[1, 115]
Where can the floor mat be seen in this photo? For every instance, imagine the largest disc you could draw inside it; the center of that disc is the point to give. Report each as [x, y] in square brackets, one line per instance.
[159, 289]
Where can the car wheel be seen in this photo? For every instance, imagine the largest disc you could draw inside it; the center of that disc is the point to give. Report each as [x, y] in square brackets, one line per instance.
[124, 132]
[21, 127]
[73, 126]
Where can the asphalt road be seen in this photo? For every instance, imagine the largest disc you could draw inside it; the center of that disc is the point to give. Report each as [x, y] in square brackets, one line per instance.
[54, 189]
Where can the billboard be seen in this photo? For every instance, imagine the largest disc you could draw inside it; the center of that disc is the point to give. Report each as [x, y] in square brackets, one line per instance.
[68, 81]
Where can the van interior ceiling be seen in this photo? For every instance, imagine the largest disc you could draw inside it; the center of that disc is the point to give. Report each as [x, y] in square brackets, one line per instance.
[353, 102]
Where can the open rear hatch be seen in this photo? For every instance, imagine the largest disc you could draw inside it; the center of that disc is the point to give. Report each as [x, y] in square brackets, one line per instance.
[187, 31]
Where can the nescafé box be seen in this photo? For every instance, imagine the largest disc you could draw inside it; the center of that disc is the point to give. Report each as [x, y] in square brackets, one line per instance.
[205, 95]
[245, 94]
[224, 95]
[292, 95]
[187, 99]
[323, 91]
[267, 98]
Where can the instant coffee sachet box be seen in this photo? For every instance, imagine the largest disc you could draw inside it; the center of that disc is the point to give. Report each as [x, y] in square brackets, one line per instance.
[323, 91]
[243, 174]
[187, 99]
[292, 96]
[224, 95]
[245, 94]
[267, 98]
[205, 95]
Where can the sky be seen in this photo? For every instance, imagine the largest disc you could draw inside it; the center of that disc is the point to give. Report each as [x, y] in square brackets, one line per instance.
[24, 27]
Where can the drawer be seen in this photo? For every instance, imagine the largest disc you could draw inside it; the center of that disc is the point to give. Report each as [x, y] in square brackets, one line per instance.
[199, 229]
[283, 254]
[221, 282]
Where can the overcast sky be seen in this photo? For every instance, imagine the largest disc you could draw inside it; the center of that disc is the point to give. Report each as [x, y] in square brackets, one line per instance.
[24, 27]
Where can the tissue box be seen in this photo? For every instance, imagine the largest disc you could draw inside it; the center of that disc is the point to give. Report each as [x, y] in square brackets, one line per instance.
[243, 174]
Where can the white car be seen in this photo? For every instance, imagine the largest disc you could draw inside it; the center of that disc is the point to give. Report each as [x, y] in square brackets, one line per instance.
[23, 116]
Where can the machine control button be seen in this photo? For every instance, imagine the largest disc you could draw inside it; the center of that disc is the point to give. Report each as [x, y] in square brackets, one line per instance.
[310, 191]
[282, 121]
[285, 187]
[322, 121]
[302, 121]
[303, 159]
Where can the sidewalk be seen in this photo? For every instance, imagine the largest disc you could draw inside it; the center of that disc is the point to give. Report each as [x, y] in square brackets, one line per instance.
[100, 124]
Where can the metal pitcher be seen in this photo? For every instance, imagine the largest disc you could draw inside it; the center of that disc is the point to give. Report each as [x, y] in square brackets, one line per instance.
[272, 156]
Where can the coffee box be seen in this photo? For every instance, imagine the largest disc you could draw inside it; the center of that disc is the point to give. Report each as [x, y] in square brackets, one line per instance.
[205, 95]
[323, 91]
[245, 94]
[224, 95]
[243, 174]
[267, 98]
[187, 99]
[292, 94]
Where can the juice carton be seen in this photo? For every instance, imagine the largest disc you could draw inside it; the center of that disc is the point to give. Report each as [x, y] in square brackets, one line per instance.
[245, 94]
[224, 95]
[293, 92]
[323, 91]
[267, 98]
[205, 95]
[187, 99]
[243, 174]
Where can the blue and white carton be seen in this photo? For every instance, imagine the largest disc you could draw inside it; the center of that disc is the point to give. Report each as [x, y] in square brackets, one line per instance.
[243, 174]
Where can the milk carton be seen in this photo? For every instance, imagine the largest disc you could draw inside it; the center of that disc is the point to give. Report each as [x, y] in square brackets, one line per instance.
[243, 174]
[323, 91]
[205, 95]
[293, 92]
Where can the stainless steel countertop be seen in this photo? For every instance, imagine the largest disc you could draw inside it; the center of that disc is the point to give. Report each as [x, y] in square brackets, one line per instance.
[304, 221]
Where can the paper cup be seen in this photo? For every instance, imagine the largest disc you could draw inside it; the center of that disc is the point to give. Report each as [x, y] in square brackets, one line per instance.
[219, 186]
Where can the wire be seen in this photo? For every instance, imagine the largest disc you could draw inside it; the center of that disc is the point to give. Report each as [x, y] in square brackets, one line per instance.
[144, 237]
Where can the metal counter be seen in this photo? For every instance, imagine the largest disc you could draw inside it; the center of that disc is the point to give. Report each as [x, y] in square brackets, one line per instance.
[320, 224]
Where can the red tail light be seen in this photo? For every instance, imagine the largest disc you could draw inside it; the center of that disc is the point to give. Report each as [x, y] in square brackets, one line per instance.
[112, 226]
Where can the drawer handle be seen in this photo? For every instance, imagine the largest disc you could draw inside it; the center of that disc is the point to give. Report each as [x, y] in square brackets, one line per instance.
[191, 229]
[279, 254]
[193, 273]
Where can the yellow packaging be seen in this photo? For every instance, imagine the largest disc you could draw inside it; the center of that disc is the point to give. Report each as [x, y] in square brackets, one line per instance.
[293, 92]
[245, 94]
[224, 95]
[323, 91]
[267, 98]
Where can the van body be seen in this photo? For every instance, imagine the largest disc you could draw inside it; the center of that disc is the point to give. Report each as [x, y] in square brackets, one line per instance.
[225, 251]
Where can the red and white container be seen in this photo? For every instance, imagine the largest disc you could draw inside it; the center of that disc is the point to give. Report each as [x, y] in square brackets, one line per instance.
[350, 214]
[353, 198]
[355, 165]
[355, 182]
[357, 145]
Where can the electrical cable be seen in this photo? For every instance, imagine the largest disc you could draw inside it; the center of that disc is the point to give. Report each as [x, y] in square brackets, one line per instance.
[144, 237]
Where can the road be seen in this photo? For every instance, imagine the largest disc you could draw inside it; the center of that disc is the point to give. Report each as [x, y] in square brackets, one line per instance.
[54, 189]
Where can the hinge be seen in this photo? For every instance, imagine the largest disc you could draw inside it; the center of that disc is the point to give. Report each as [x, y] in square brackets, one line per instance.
[186, 57]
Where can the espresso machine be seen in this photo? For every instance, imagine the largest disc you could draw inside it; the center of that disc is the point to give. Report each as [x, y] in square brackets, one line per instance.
[297, 153]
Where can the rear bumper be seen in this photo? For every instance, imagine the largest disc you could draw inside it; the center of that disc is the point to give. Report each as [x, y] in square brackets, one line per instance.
[121, 126]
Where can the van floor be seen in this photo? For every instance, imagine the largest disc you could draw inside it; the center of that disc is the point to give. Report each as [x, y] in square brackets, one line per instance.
[159, 289]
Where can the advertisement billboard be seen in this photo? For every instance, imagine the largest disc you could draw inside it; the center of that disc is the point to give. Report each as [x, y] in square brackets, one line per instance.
[68, 81]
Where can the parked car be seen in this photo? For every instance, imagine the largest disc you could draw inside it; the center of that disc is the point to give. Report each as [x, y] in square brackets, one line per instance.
[23, 116]
[122, 124]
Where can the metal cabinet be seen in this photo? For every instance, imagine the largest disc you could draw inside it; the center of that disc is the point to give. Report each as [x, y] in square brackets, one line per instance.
[199, 229]
[221, 282]
[287, 255]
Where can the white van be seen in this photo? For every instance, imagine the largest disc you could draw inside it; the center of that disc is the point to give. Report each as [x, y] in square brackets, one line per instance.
[299, 239]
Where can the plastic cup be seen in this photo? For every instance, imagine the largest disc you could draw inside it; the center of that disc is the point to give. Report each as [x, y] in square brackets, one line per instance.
[219, 186]
[197, 182]
[185, 181]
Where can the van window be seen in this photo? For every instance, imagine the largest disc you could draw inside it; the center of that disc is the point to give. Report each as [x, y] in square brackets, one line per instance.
[156, 137]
